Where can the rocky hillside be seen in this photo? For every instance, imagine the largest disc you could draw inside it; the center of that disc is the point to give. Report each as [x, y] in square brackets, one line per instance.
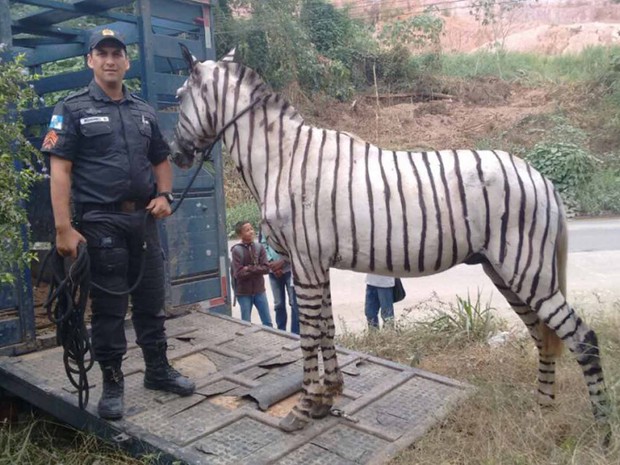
[541, 26]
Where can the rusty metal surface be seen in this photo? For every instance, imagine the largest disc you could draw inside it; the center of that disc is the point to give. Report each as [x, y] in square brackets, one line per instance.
[237, 366]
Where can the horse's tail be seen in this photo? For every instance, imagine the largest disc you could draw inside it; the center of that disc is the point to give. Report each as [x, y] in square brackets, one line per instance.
[551, 342]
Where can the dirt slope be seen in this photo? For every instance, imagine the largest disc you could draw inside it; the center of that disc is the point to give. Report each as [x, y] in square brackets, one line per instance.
[542, 26]
[485, 107]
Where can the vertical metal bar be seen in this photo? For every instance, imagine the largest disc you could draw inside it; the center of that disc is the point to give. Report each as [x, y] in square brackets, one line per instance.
[222, 240]
[220, 199]
[147, 55]
[147, 59]
[25, 301]
[5, 24]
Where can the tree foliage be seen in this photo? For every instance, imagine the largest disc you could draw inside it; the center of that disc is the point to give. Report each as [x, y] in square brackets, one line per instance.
[308, 42]
[321, 48]
[492, 11]
[17, 172]
[418, 31]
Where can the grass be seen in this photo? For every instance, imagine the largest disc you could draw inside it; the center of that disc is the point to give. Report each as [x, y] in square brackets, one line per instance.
[501, 424]
[467, 320]
[37, 441]
[590, 64]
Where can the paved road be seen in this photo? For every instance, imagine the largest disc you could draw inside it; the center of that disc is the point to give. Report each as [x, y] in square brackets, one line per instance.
[593, 280]
[591, 235]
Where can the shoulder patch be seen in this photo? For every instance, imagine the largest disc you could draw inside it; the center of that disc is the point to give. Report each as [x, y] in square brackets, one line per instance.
[50, 141]
[56, 122]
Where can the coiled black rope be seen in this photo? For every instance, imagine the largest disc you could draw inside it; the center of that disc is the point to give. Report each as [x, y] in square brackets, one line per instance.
[66, 304]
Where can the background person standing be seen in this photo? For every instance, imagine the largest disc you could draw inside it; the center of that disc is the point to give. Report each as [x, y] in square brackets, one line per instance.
[249, 265]
[280, 277]
[379, 295]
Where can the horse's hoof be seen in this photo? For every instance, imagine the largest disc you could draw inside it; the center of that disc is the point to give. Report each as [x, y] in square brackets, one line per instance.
[292, 422]
[320, 411]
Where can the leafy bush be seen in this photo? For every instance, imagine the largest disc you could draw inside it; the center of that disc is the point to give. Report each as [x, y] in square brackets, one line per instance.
[393, 66]
[17, 172]
[602, 194]
[247, 211]
[566, 164]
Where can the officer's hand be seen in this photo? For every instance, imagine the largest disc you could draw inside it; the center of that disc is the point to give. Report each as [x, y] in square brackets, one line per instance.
[159, 207]
[67, 241]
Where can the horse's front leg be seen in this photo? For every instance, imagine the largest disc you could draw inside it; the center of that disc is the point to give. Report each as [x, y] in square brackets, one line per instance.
[309, 299]
[333, 382]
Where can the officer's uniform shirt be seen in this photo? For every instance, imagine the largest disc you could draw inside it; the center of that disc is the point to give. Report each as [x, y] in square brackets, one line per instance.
[112, 145]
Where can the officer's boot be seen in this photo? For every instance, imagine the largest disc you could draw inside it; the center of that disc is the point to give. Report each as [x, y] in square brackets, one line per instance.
[110, 405]
[159, 375]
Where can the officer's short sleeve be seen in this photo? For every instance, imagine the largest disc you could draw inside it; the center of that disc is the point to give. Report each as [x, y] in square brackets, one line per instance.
[61, 138]
[159, 149]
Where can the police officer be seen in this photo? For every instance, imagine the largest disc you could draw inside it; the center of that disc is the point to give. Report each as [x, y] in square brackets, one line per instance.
[108, 156]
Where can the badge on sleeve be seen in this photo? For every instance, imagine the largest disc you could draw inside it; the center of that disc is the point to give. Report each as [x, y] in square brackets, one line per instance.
[56, 122]
[50, 141]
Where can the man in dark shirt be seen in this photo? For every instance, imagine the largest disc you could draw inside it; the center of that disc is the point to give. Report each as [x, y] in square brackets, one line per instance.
[108, 156]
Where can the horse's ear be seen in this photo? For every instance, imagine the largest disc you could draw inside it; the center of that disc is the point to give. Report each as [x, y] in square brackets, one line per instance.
[231, 56]
[189, 58]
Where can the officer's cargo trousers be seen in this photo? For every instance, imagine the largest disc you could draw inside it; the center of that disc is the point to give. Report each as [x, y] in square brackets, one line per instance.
[115, 246]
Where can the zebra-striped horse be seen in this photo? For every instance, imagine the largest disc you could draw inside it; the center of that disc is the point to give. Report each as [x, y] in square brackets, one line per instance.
[328, 199]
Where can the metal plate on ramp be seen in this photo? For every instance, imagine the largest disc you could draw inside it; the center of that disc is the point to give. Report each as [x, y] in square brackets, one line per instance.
[236, 366]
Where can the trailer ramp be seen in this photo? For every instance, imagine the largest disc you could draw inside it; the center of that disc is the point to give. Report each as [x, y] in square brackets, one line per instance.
[247, 378]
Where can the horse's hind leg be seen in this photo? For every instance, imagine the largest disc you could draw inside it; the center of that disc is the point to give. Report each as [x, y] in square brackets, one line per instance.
[559, 323]
[547, 351]
[560, 319]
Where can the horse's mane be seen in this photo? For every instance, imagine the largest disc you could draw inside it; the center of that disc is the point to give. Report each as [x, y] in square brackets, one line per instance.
[260, 89]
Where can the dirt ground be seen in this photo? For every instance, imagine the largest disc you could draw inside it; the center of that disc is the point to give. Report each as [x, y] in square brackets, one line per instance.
[479, 108]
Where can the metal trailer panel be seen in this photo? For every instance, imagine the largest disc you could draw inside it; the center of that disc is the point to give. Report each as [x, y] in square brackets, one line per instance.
[247, 378]
[195, 239]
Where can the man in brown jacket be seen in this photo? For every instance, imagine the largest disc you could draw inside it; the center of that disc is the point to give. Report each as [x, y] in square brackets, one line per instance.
[249, 265]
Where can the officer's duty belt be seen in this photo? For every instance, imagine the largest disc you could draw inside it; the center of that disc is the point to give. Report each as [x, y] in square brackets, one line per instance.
[126, 206]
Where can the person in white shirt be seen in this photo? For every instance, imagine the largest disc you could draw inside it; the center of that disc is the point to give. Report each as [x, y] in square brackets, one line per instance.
[379, 295]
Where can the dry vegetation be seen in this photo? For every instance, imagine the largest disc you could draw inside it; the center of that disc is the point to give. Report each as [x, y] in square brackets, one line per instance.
[501, 423]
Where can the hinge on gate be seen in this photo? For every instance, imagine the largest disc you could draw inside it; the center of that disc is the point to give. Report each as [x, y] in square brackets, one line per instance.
[336, 412]
[121, 437]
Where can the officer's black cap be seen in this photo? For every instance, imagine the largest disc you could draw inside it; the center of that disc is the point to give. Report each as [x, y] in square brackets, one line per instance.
[108, 35]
